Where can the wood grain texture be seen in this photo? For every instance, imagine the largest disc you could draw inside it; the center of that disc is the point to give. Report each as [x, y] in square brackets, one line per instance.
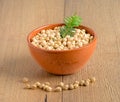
[19, 17]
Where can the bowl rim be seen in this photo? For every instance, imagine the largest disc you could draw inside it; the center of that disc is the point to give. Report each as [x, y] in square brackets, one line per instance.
[56, 51]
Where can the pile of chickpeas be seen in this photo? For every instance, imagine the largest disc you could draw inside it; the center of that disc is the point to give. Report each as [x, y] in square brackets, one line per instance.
[51, 40]
[61, 86]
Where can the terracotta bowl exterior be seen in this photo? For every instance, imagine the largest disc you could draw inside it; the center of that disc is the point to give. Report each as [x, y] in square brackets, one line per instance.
[61, 62]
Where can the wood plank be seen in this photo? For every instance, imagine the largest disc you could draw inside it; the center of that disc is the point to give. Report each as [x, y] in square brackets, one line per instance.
[18, 18]
[103, 17]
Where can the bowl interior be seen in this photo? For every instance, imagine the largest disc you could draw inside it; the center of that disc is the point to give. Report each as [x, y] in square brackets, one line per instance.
[52, 26]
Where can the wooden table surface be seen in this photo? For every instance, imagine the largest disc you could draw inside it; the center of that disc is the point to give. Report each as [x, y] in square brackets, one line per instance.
[19, 17]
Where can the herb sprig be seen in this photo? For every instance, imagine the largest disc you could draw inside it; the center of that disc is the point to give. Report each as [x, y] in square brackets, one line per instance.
[70, 23]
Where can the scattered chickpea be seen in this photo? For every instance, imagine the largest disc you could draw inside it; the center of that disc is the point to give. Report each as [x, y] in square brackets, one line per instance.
[82, 82]
[86, 83]
[76, 85]
[88, 80]
[25, 80]
[65, 87]
[92, 79]
[45, 87]
[71, 86]
[76, 82]
[49, 89]
[61, 84]
[38, 84]
[27, 86]
[47, 83]
[42, 86]
[33, 86]
[58, 89]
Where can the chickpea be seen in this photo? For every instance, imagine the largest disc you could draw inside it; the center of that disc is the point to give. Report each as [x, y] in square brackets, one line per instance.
[33, 86]
[47, 38]
[76, 82]
[43, 43]
[34, 43]
[61, 84]
[86, 83]
[47, 83]
[43, 35]
[58, 89]
[91, 37]
[42, 86]
[64, 39]
[73, 42]
[70, 39]
[80, 44]
[38, 84]
[82, 82]
[65, 87]
[71, 86]
[76, 85]
[64, 43]
[45, 87]
[88, 80]
[43, 31]
[92, 79]
[78, 31]
[49, 48]
[25, 80]
[49, 89]
[56, 46]
[47, 32]
[59, 43]
[68, 36]
[27, 86]
[34, 39]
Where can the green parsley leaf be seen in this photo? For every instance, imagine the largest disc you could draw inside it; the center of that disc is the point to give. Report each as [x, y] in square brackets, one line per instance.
[70, 24]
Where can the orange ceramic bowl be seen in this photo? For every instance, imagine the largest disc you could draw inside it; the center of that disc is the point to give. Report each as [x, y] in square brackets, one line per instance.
[65, 61]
